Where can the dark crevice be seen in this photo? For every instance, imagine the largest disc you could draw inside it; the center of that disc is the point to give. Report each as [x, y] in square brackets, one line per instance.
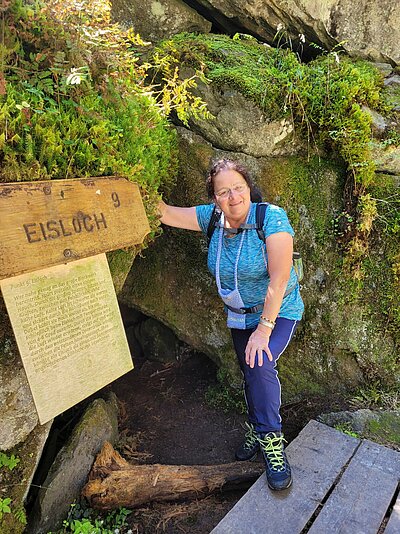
[220, 22]
[389, 173]
[389, 510]
[231, 25]
[329, 493]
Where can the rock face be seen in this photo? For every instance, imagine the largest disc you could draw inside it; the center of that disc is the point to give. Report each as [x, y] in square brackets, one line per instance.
[71, 467]
[366, 29]
[246, 129]
[172, 282]
[19, 416]
[157, 19]
[338, 341]
[18, 413]
[382, 426]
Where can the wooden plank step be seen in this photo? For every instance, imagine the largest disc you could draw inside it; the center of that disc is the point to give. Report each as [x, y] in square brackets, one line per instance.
[363, 495]
[393, 526]
[317, 457]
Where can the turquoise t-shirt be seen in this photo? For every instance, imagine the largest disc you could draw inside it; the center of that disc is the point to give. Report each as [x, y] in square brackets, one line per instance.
[253, 276]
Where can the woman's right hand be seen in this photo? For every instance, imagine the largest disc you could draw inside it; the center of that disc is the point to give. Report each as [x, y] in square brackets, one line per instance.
[257, 344]
[179, 217]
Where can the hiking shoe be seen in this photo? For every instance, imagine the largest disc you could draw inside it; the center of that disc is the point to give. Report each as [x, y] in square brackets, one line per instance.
[249, 448]
[277, 468]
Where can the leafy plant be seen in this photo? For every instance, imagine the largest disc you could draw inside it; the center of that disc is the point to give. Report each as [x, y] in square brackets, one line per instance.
[75, 101]
[377, 396]
[346, 429]
[225, 397]
[82, 520]
[8, 461]
[4, 507]
[20, 515]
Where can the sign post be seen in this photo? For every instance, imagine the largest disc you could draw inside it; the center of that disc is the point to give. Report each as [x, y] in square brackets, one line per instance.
[57, 285]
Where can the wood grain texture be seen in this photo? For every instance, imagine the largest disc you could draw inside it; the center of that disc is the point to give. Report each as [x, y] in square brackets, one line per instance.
[362, 497]
[48, 223]
[113, 482]
[317, 457]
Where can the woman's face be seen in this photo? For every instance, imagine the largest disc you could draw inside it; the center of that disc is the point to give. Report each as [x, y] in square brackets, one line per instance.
[232, 194]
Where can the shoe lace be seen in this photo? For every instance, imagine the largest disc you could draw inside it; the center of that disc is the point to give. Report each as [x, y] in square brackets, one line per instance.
[272, 445]
[250, 437]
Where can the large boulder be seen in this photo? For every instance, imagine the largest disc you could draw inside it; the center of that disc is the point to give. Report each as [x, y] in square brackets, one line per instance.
[171, 281]
[370, 30]
[157, 19]
[70, 470]
[342, 339]
[246, 128]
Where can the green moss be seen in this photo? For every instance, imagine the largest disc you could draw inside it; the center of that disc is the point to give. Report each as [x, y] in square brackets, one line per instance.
[120, 261]
[108, 124]
[297, 183]
[324, 97]
[224, 396]
[385, 430]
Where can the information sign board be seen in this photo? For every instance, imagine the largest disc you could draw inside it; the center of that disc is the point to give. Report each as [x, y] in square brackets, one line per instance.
[69, 332]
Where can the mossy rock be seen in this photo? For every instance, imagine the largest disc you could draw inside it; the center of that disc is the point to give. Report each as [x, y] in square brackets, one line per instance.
[385, 429]
[172, 284]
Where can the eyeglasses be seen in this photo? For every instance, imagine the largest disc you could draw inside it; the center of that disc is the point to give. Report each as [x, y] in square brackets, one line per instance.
[225, 193]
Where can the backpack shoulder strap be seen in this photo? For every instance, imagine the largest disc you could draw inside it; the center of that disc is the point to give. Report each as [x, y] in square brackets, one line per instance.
[215, 217]
[261, 208]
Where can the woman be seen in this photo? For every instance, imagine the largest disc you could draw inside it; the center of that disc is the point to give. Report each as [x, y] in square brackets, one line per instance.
[259, 287]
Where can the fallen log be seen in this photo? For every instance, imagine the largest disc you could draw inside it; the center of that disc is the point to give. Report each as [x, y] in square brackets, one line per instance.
[114, 482]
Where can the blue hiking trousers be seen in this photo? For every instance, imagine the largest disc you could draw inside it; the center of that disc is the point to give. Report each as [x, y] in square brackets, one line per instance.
[261, 384]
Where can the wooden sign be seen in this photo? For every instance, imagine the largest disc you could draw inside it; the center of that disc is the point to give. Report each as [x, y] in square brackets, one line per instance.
[69, 331]
[52, 222]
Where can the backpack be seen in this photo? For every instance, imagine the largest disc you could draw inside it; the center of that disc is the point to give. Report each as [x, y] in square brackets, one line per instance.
[261, 208]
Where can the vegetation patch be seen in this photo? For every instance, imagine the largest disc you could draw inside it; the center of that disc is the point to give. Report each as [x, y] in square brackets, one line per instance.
[74, 101]
[385, 430]
[324, 98]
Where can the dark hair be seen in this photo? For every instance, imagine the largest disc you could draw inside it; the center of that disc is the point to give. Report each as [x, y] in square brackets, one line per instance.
[230, 165]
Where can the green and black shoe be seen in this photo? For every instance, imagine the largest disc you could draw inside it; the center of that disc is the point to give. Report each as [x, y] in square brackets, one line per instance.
[277, 468]
[249, 448]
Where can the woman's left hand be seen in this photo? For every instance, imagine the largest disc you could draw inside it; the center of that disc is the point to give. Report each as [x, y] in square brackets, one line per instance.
[258, 342]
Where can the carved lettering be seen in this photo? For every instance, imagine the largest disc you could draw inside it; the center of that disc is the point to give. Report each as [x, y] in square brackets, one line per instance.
[63, 229]
[53, 229]
[88, 226]
[76, 223]
[102, 220]
[30, 233]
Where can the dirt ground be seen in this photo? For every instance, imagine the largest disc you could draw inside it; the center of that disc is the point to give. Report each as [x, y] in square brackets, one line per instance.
[165, 419]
